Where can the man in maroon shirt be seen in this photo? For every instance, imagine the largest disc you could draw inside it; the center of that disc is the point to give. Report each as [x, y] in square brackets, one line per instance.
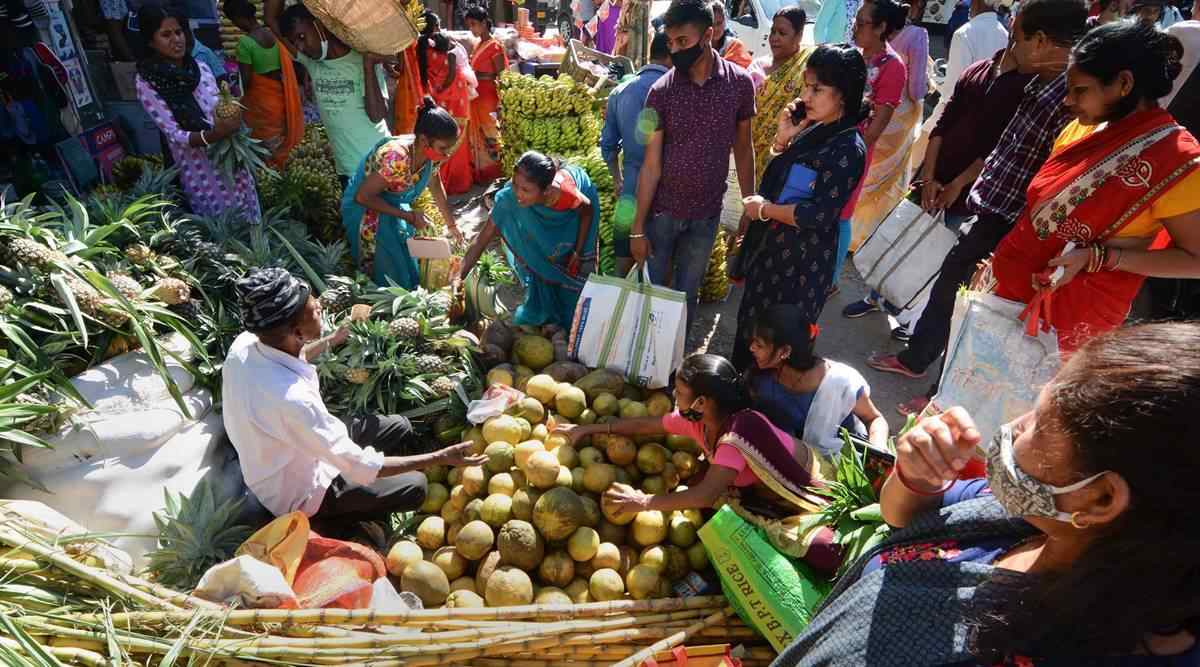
[703, 108]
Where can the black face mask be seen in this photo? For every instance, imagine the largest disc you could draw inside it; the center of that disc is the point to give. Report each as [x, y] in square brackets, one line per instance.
[691, 414]
[683, 59]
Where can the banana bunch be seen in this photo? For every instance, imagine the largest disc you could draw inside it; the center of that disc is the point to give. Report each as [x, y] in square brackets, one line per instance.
[716, 283]
[522, 96]
[597, 171]
[559, 135]
[308, 185]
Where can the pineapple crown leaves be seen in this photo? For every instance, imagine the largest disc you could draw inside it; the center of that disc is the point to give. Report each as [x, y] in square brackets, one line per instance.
[194, 533]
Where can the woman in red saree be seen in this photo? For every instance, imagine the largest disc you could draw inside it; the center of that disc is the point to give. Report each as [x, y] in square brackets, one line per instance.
[488, 60]
[1117, 201]
[446, 75]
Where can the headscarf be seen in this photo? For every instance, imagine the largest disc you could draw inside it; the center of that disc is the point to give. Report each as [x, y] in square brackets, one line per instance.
[176, 84]
[270, 297]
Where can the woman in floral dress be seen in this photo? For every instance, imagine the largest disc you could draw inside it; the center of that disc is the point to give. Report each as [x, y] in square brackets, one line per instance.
[180, 94]
[377, 206]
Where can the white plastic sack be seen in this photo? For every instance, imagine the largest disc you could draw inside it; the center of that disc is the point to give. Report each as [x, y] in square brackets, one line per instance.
[631, 327]
[52, 526]
[248, 582]
[904, 254]
[993, 369]
[130, 380]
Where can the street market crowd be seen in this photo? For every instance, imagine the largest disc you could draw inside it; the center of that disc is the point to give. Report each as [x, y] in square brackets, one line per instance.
[1058, 153]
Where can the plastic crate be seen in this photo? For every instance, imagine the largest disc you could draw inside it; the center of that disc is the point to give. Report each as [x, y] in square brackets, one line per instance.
[578, 53]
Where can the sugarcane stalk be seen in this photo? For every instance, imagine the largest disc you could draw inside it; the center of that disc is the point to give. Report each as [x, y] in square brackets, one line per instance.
[89, 574]
[418, 616]
[675, 639]
[68, 654]
[172, 596]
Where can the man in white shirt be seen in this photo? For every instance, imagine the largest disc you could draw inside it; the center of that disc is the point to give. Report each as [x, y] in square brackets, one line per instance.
[294, 455]
[979, 39]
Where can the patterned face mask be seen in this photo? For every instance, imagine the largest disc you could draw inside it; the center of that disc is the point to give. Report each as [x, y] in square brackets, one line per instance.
[1019, 494]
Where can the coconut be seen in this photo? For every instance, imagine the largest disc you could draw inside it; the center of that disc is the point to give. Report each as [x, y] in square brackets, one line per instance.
[520, 545]
[583, 543]
[543, 388]
[451, 513]
[682, 443]
[487, 565]
[496, 510]
[677, 563]
[458, 495]
[533, 351]
[611, 532]
[529, 409]
[500, 457]
[570, 401]
[613, 514]
[652, 458]
[682, 531]
[431, 534]
[501, 375]
[452, 532]
[658, 404]
[518, 478]
[474, 480]
[655, 556]
[474, 540]
[566, 456]
[649, 527]
[526, 449]
[522, 378]
[685, 463]
[607, 555]
[578, 591]
[641, 582]
[462, 584]
[605, 405]
[436, 495]
[584, 569]
[522, 505]
[557, 513]
[552, 595]
[464, 599]
[670, 476]
[451, 562]
[601, 381]
[565, 371]
[633, 410]
[427, 581]
[577, 480]
[507, 587]
[566, 478]
[542, 469]
[590, 456]
[502, 428]
[654, 485]
[598, 477]
[558, 569]
[629, 558]
[621, 450]
[591, 511]
[401, 555]
[502, 483]
[605, 585]
[556, 440]
[472, 510]
[697, 557]
[540, 433]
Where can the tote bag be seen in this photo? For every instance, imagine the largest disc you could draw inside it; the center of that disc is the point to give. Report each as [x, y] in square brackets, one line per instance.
[993, 369]
[630, 326]
[903, 256]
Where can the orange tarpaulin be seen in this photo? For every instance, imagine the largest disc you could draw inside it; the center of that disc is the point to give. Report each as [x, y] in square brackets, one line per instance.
[273, 110]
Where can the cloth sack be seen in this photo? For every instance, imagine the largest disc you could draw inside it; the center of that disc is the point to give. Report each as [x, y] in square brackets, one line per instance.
[904, 254]
[771, 592]
[247, 582]
[993, 369]
[630, 326]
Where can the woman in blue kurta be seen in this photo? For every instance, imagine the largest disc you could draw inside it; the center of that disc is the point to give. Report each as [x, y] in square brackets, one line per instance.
[549, 219]
[377, 205]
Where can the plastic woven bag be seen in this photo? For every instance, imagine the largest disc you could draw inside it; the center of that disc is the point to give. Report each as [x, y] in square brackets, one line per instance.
[904, 254]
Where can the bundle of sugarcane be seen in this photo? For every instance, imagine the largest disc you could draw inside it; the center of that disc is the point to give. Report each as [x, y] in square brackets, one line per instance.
[58, 607]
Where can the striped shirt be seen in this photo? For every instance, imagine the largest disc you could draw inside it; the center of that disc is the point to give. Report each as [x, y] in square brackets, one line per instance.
[1023, 148]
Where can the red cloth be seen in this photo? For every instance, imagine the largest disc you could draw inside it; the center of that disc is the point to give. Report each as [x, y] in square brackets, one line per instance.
[336, 574]
[1091, 303]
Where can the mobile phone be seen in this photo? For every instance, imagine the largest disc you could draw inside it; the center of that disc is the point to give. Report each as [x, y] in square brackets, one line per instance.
[799, 113]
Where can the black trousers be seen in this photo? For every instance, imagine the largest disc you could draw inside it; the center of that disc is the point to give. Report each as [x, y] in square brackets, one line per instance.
[932, 332]
[393, 436]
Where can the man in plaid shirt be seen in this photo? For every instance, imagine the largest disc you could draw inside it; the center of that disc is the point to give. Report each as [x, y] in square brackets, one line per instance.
[1043, 33]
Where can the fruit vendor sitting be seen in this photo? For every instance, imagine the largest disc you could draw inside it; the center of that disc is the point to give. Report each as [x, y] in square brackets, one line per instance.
[294, 454]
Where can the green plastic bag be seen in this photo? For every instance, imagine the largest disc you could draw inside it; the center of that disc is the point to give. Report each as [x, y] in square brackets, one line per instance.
[774, 594]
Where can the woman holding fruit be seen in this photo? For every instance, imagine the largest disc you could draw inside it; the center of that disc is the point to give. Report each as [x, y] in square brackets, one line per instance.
[549, 225]
[377, 205]
[181, 95]
[769, 471]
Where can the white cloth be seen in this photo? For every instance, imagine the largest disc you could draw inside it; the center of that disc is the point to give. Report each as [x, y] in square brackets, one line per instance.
[1188, 32]
[835, 399]
[289, 446]
[978, 39]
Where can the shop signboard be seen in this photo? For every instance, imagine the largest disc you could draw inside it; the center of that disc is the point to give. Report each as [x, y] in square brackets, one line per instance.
[104, 144]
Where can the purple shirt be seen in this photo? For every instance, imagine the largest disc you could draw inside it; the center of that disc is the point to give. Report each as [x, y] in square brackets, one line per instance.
[699, 125]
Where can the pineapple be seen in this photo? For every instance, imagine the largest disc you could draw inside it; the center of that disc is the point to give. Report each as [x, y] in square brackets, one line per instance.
[336, 299]
[431, 364]
[111, 314]
[86, 297]
[228, 106]
[44, 423]
[6, 297]
[357, 375]
[118, 345]
[172, 291]
[139, 254]
[127, 285]
[19, 252]
[443, 386]
[404, 327]
[195, 533]
[239, 150]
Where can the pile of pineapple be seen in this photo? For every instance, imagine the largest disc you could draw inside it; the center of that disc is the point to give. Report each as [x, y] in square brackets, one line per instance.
[531, 525]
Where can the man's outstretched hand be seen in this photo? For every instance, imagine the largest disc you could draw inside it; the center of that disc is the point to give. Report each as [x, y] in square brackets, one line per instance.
[460, 455]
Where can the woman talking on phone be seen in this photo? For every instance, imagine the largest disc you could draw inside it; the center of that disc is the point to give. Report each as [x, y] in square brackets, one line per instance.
[789, 247]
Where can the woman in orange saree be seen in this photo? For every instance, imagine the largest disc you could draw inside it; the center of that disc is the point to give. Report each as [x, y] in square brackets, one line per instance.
[488, 60]
[1117, 201]
[409, 93]
[446, 75]
[272, 95]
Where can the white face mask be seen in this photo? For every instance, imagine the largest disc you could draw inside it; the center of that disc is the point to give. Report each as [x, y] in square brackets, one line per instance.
[324, 43]
[1019, 494]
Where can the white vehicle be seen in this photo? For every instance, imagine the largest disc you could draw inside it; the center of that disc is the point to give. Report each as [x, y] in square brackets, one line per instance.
[751, 22]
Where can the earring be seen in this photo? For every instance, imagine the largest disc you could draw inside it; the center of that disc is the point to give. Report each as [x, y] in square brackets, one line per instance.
[1076, 522]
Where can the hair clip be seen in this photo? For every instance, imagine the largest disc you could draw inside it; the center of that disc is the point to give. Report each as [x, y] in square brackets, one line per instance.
[813, 331]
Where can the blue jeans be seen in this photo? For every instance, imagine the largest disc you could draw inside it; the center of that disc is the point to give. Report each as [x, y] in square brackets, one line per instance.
[679, 252]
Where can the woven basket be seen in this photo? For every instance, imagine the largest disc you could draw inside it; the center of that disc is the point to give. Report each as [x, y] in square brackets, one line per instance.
[577, 52]
[369, 26]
